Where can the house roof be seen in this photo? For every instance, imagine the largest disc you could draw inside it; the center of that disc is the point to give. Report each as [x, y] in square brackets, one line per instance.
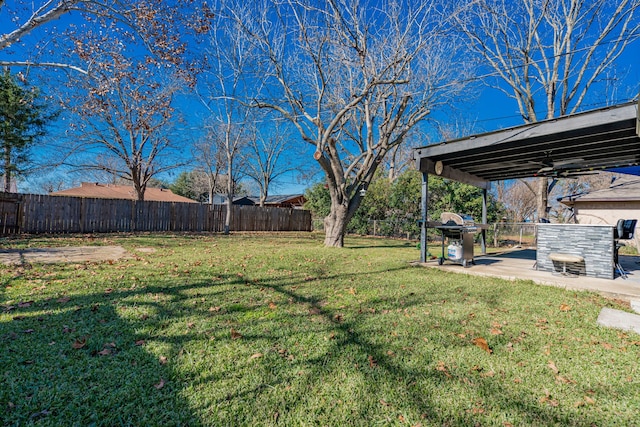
[221, 199]
[281, 199]
[567, 146]
[624, 189]
[112, 191]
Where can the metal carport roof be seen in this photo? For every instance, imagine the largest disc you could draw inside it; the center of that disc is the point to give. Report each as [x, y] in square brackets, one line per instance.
[566, 146]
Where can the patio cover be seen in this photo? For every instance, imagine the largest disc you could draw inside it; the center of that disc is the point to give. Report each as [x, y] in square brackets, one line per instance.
[566, 146]
[603, 139]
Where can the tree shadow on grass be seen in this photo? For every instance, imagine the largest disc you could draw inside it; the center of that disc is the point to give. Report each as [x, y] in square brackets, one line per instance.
[77, 361]
[300, 356]
[383, 368]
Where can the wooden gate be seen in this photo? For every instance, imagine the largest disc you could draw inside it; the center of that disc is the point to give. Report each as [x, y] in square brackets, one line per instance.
[10, 213]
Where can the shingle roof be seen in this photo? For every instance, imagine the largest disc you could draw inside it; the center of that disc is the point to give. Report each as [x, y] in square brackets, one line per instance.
[111, 191]
[621, 190]
[281, 199]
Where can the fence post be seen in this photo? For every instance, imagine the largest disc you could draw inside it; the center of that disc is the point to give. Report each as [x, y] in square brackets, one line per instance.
[521, 235]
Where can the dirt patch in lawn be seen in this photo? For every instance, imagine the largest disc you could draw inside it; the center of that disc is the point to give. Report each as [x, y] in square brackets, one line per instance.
[55, 255]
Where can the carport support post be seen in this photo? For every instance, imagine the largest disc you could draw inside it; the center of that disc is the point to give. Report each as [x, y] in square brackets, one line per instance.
[423, 222]
[483, 233]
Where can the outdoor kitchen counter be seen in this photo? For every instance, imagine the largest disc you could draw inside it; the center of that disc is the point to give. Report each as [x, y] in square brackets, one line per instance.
[593, 242]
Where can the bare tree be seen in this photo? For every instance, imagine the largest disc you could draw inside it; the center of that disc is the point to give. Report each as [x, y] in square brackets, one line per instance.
[354, 78]
[520, 200]
[228, 59]
[125, 125]
[210, 161]
[268, 157]
[548, 55]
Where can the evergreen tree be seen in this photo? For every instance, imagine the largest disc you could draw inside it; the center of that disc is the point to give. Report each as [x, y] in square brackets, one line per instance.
[22, 120]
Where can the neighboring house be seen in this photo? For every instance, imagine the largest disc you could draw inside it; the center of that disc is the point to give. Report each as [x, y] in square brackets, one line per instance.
[221, 199]
[112, 191]
[620, 201]
[295, 201]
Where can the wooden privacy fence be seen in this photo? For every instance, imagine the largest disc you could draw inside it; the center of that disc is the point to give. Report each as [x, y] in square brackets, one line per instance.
[33, 213]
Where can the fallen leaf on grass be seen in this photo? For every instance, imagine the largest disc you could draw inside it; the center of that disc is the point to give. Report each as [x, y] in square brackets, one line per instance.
[160, 384]
[496, 331]
[191, 325]
[79, 343]
[104, 352]
[25, 304]
[564, 307]
[108, 290]
[547, 399]
[551, 402]
[372, 362]
[272, 305]
[63, 299]
[482, 343]
[235, 334]
[163, 360]
[564, 380]
[256, 356]
[589, 400]
[553, 367]
[443, 368]
[140, 342]
[383, 403]
[215, 309]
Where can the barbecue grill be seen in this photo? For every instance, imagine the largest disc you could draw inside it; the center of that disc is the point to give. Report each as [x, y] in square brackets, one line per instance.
[459, 229]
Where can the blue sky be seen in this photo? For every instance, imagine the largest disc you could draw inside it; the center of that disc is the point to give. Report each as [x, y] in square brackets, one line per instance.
[489, 110]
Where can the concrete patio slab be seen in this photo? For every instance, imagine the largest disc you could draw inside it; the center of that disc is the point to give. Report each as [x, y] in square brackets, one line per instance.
[61, 254]
[519, 264]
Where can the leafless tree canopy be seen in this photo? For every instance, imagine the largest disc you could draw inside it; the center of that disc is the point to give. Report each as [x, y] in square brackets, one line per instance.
[354, 78]
[269, 155]
[548, 54]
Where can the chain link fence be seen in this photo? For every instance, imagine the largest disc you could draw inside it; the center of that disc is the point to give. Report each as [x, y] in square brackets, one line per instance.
[499, 235]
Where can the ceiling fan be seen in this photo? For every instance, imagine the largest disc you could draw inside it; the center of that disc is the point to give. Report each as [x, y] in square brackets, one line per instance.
[559, 168]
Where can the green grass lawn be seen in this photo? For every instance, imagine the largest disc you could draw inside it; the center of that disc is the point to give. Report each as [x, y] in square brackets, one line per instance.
[251, 330]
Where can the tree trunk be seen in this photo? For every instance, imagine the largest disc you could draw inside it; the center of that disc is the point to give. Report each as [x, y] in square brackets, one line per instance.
[227, 220]
[335, 226]
[543, 198]
[7, 169]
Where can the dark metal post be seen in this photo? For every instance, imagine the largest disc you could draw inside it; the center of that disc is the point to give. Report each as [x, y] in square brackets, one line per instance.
[423, 223]
[483, 233]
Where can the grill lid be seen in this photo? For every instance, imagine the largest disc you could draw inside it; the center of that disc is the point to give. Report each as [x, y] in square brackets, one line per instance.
[450, 218]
